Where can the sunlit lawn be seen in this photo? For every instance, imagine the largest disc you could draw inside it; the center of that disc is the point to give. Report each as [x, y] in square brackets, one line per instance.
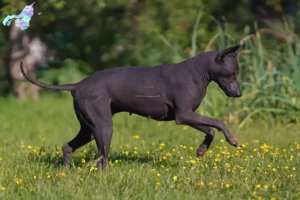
[149, 159]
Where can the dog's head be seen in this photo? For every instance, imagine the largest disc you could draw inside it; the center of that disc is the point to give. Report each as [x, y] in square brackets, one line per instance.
[226, 69]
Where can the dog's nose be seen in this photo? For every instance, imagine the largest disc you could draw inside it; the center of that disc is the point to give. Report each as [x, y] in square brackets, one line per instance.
[238, 94]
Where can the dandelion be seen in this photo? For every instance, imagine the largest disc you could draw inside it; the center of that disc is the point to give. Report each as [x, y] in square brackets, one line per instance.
[136, 137]
[157, 183]
[259, 198]
[43, 139]
[227, 186]
[201, 184]
[193, 162]
[18, 181]
[83, 160]
[185, 128]
[266, 187]
[3, 188]
[258, 186]
[93, 169]
[274, 187]
[273, 198]
[222, 141]
[174, 178]
[0, 159]
[294, 168]
[62, 174]
[158, 175]
[81, 179]
[34, 177]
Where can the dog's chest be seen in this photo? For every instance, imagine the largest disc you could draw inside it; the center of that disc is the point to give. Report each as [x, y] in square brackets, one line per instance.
[196, 96]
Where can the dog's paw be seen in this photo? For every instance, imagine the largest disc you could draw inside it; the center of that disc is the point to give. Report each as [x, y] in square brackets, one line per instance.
[201, 151]
[234, 142]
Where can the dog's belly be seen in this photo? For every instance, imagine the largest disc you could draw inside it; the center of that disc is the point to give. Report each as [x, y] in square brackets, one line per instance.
[154, 109]
[163, 113]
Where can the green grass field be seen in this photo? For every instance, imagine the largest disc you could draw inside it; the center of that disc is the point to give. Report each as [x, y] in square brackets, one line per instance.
[148, 159]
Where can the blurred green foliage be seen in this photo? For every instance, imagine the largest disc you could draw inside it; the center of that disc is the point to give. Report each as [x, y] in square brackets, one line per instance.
[91, 35]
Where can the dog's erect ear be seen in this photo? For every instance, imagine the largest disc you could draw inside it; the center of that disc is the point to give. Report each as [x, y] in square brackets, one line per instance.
[233, 51]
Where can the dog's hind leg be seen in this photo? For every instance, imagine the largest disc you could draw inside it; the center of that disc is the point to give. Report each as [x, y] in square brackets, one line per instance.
[210, 134]
[83, 137]
[103, 136]
[99, 116]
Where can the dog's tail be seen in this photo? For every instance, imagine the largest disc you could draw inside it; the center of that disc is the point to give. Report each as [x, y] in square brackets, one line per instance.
[67, 87]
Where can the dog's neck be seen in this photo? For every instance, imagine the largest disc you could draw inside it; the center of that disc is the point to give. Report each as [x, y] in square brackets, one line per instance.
[204, 64]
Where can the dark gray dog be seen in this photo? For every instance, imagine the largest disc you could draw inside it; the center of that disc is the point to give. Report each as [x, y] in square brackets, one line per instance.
[164, 93]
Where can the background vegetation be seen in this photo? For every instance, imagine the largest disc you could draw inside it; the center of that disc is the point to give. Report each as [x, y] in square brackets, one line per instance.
[82, 37]
[71, 39]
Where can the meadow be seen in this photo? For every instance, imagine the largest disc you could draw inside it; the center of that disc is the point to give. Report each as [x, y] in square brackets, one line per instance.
[148, 159]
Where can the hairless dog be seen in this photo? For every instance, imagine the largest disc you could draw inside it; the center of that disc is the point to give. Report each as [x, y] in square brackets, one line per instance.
[164, 93]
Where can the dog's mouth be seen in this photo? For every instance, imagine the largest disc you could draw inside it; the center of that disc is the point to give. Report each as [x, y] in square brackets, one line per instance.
[231, 93]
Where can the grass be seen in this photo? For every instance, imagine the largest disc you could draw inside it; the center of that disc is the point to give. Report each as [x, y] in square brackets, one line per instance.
[148, 159]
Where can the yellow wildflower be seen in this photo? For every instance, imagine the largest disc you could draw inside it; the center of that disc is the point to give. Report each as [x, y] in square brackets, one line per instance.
[259, 198]
[193, 162]
[136, 137]
[18, 181]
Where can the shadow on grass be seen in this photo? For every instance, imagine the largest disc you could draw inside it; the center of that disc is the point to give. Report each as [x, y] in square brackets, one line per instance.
[55, 159]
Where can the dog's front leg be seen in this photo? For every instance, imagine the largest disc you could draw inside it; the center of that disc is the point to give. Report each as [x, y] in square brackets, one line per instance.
[194, 120]
[210, 134]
